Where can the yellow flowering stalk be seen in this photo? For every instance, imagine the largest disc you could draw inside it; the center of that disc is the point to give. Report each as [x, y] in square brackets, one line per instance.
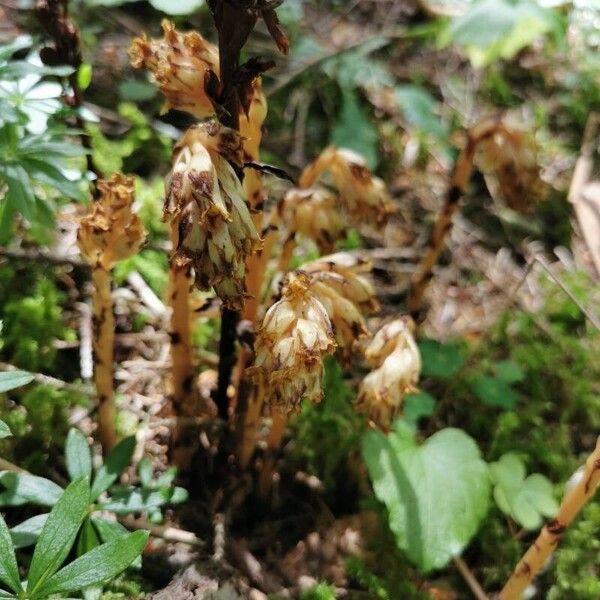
[204, 197]
[180, 64]
[363, 196]
[109, 233]
[395, 357]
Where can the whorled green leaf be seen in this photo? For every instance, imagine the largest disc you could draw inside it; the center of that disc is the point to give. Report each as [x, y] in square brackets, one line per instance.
[116, 462]
[88, 538]
[58, 534]
[526, 499]
[131, 500]
[10, 380]
[77, 455]
[419, 109]
[9, 572]
[21, 488]
[98, 566]
[4, 430]
[27, 533]
[436, 493]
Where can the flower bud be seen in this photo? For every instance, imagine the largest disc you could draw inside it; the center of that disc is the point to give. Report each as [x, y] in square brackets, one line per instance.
[294, 338]
[394, 351]
[111, 231]
[205, 198]
[180, 64]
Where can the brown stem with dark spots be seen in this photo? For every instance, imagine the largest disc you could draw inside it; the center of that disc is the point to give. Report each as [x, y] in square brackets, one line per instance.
[540, 551]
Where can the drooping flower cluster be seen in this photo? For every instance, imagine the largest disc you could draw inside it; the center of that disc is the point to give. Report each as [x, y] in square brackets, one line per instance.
[339, 283]
[295, 336]
[362, 195]
[511, 155]
[314, 214]
[205, 198]
[321, 309]
[396, 361]
[111, 231]
[181, 64]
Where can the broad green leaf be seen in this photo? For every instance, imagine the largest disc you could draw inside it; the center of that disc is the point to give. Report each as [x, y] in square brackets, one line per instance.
[47, 173]
[134, 90]
[416, 406]
[98, 566]
[495, 392]
[167, 477]
[59, 533]
[419, 109]
[19, 193]
[492, 29]
[181, 7]
[526, 500]
[10, 380]
[4, 430]
[77, 455]
[22, 488]
[509, 371]
[436, 494]
[354, 130]
[26, 533]
[9, 572]
[19, 43]
[440, 360]
[116, 462]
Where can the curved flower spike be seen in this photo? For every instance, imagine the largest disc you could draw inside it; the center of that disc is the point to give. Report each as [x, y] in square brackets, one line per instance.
[294, 338]
[205, 197]
[314, 213]
[363, 195]
[180, 64]
[395, 353]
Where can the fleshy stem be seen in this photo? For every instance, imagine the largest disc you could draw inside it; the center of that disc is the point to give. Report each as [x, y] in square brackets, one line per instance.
[103, 343]
[234, 25]
[539, 552]
[181, 350]
[461, 175]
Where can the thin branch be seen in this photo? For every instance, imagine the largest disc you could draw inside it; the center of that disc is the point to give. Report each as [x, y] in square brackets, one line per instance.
[469, 578]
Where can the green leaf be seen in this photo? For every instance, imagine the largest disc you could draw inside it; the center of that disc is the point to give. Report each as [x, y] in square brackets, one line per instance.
[47, 173]
[145, 472]
[77, 455]
[492, 29]
[419, 108]
[116, 462]
[58, 534]
[4, 430]
[509, 371]
[22, 488]
[19, 193]
[88, 538]
[526, 500]
[436, 494]
[84, 76]
[354, 129]
[130, 500]
[98, 566]
[9, 380]
[9, 572]
[26, 533]
[181, 7]
[108, 530]
[440, 360]
[417, 406]
[494, 392]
